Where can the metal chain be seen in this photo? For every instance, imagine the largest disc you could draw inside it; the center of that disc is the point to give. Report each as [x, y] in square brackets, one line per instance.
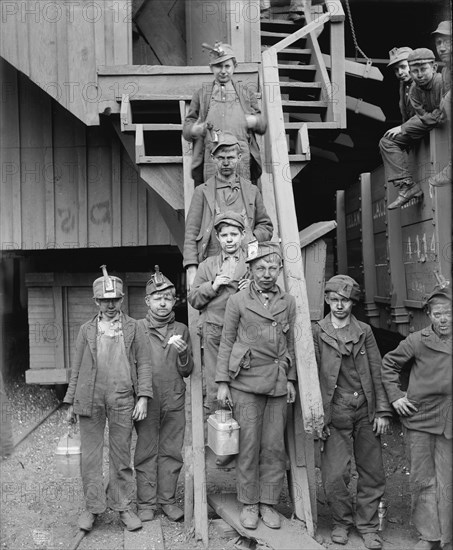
[354, 38]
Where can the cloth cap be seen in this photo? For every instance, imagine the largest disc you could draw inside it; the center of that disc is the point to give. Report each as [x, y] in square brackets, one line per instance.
[344, 286]
[258, 250]
[443, 291]
[443, 28]
[219, 53]
[420, 55]
[226, 139]
[231, 218]
[398, 54]
[107, 286]
[158, 282]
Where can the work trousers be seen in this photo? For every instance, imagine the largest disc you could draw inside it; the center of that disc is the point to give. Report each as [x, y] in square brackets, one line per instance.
[431, 484]
[117, 409]
[211, 342]
[352, 433]
[158, 459]
[394, 151]
[261, 462]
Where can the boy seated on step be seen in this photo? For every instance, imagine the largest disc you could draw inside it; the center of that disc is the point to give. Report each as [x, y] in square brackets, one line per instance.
[158, 459]
[425, 95]
[256, 371]
[218, 277]
[356, 413]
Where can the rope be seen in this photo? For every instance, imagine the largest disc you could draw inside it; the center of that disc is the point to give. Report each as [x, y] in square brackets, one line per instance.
[354, 38]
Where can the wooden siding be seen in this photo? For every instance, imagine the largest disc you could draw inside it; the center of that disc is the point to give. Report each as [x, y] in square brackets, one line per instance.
[65, 185]
[59, 46]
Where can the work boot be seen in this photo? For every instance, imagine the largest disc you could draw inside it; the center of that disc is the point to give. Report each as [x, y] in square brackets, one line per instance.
[295, 16]
[249, 516]
[223, 461]
[146, 514]
[372, 541]
[86, 520]
[408, 190]
[425, 544]
[441, 178]
[130, 520]
[173, 512]
[270, 517]
[339, 534]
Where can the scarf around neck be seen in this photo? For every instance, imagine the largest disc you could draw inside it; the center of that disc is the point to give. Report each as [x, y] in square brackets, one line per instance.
[155, 321]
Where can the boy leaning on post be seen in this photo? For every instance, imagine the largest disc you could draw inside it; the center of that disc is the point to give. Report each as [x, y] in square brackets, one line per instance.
[158, 453]
[425, 410]
[356, 413]
[256, 371]
[111, 369]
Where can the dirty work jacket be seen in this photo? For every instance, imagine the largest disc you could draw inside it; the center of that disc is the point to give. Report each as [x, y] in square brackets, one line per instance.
[83, 373]
[256, 352]
[430, 380]
[405, 104]
[426, 103]
[367, 361]
[198, 110]
[200, 219]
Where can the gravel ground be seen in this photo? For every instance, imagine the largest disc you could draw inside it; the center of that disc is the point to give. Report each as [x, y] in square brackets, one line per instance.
[39, 508]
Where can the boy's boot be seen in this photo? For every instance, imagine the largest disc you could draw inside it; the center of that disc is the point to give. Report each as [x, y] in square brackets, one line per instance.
[86, 520]
[130, 520]
[441, 178]
[408, 190]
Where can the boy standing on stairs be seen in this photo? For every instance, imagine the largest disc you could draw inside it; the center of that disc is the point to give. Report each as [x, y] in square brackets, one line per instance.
[356, 413]
[158, 458]
[224, 106]
[425, 95]
[256, 371]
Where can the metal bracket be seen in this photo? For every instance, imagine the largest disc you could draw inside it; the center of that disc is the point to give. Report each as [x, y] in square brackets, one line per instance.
[357, 106]
[367, 68]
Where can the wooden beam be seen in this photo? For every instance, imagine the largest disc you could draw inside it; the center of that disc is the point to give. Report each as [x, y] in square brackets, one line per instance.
[357, 69]
[301, 33]
[361, 107]
[342, 250]
[338, 74]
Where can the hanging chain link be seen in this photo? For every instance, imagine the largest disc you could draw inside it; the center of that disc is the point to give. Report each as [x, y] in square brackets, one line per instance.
[354, 38]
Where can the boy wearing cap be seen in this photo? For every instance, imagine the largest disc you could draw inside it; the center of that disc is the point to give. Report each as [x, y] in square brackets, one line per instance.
[425, 95]
[158, 458]
[399, 64]
[256, 371]
[111, 366]
[356, 413]
[224, 191]
[217, 278]
[224, 106]
[426, 414]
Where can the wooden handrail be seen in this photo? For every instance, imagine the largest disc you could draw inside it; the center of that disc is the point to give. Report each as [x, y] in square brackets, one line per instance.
[302, 32]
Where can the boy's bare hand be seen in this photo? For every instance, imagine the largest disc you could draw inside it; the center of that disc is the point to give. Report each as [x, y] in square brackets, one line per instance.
[179, 343]
[393, 132]
[244, 283]
[191, 271]
[224, 395]
[404, 407]
[141, 409]
[251, 121]
[290, 392]
[323, 436]
[71, 417]
[220, 280]
[198, 129]
[381, 425]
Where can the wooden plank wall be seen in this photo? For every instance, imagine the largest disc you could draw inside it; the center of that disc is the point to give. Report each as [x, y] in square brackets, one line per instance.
[65, 185]
[60, 44]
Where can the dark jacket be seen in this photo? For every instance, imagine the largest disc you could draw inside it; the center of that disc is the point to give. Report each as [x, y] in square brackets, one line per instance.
[200, 219]
[426, 102]
[430, 380]
[83, 373]
[198, 110]
[367, 361]
[406, 108]
[256, 353]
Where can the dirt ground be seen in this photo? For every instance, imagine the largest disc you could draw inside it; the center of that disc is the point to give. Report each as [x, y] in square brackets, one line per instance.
[39, 508]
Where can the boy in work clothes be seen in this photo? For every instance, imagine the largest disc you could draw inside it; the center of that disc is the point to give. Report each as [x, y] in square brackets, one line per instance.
[425, 95]
[111, 366]
[426, 414]
[224, 191]
[356, 413]
[158, 459]
[398, 62]
[256, 371]
[218, 278]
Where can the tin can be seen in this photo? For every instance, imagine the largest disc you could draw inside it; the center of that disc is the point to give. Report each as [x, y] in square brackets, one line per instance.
[223, 433]
[382, 514]
[67, 456]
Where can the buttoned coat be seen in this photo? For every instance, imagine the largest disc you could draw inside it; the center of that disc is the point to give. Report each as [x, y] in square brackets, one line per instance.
[426, 104]
[367, 361]
[200, 219]
[256, 352]
[80, 391]
[198, 111]
[430, 380]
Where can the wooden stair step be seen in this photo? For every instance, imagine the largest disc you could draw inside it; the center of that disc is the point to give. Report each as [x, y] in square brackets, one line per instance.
[285, 67]
[167, 127]
[270, 38]
[298, 158]
[294, 54]
[290, 105]
[314, 85]
[281, 25]
[148, 159]
[311, 125]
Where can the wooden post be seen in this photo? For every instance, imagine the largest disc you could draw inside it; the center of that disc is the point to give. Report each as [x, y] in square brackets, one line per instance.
[342, 251]
[369, 260]
[338, 75]
[198, 482]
